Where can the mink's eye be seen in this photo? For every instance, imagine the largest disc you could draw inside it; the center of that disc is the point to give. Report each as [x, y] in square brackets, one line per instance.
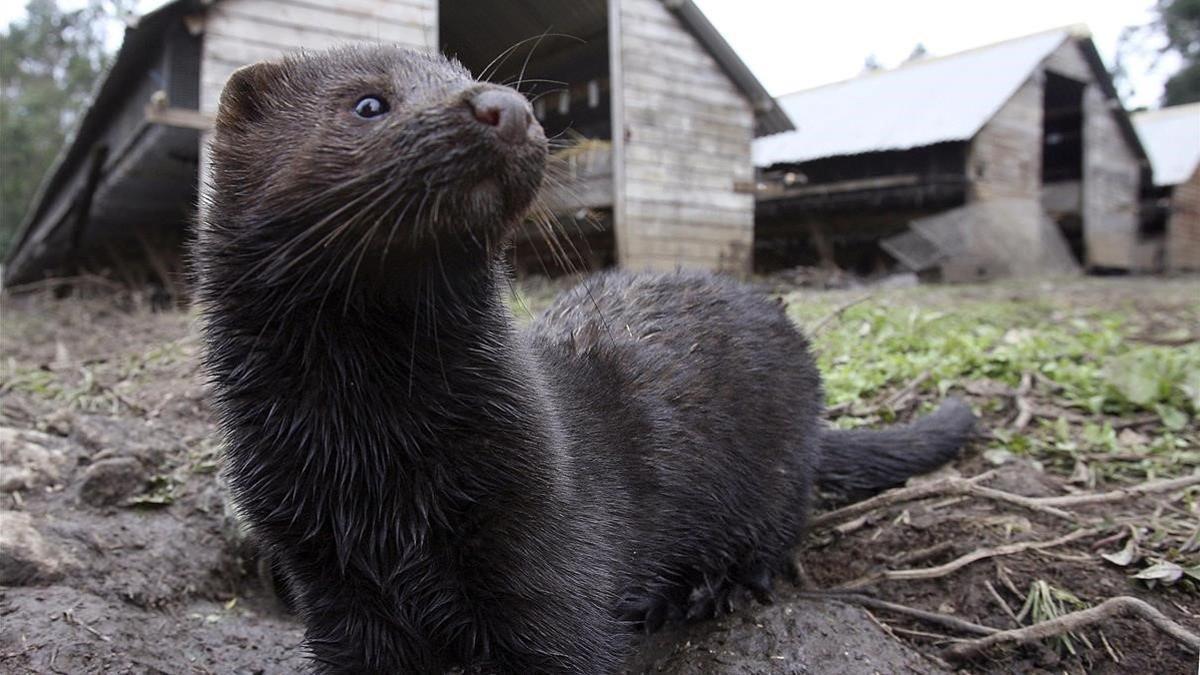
[370, 106]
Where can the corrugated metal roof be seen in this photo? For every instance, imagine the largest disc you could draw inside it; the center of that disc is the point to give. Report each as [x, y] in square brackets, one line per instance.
[921, 103]
[1171, 137]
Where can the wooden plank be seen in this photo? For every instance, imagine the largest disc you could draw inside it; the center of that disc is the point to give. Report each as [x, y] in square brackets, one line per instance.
[692, 74]
[413, 29]
[742, 118]
[639, 97]
[686, 248]
[647, 153]
[1068, 61]
[674, 210]
[717, 233]
[616, 68]
[282, 33]
[728, 200]
[1005, 157]
[1183, 226]
[735, 151]
[230, 50]
[670, 180]
[677, 88]
[419, 12]
[1111, 176]
[682, 120]
[179, 117]
[776, 191]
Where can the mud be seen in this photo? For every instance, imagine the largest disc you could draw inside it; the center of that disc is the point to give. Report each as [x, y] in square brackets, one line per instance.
[118, 552]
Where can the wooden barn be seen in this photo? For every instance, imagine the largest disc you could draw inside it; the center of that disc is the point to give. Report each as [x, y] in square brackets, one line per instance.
[673, 185]
[1012, 158]
[1171, 137]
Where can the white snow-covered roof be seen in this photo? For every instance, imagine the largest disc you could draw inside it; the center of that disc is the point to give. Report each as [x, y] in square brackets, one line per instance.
[1171, 137]
[928, 101]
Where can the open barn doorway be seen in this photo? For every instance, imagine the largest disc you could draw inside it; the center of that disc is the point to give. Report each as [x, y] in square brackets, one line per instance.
[557, 54]
[1062, 158]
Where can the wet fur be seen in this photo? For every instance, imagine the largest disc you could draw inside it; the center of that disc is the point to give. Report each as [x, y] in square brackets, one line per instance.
[441, 486]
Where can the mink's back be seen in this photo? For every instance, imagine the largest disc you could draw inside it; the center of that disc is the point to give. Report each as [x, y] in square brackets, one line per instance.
[697, 398]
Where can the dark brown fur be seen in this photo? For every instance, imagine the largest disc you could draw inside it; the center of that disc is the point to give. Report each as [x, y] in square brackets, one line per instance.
[442, 487]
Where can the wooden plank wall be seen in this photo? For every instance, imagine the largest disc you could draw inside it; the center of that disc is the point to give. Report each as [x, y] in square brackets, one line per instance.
[1005, 158]
[1111, 174]
[1111, 181]
[687, 140]
[1183, 227]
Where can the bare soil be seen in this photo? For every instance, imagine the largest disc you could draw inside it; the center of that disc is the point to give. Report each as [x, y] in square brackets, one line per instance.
[118, 552]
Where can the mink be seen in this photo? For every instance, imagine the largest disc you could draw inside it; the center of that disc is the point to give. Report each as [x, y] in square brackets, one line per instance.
[441, 486]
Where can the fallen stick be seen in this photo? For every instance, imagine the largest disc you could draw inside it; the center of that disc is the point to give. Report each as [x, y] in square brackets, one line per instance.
[837, 312]
[906, 391]
[894, 496]
[962, 561]
[1000, 601]
[876, 603]
[1024, 408]
[952, 486]
[1074, 621]
[1121, 494]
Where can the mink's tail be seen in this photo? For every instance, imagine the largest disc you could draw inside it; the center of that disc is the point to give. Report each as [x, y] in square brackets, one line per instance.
[860, 462]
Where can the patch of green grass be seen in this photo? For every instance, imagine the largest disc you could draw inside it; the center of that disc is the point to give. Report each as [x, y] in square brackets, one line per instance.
[1046, 602]
[1084, 362]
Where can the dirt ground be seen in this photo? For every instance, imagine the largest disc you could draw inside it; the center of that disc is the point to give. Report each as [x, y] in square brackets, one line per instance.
[119, 554]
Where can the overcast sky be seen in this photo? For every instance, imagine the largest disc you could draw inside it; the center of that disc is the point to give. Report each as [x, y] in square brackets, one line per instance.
[793, 44]
[797, 44]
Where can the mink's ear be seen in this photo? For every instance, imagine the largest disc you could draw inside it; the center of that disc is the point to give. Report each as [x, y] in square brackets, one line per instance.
[247, 96]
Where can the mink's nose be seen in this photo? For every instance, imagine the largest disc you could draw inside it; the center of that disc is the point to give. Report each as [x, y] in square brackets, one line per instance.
[507, 111]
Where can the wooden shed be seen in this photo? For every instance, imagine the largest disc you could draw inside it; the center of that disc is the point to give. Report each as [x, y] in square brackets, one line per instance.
[1171, 137]
[1030, 128]
[672, 187]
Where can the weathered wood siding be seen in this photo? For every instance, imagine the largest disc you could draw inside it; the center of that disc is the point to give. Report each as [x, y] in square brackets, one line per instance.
[1111, 181]
[1111, 173]
[1069, 62]
[1183, 227]
[1005, 162]
[1005, 158]
[686, 145]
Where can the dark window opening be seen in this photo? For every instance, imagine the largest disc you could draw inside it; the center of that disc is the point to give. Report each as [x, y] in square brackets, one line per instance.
[1062, 130]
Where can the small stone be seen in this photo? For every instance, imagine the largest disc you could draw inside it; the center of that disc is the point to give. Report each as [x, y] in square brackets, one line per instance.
[25, 556]
[28, 459]
[110, 481]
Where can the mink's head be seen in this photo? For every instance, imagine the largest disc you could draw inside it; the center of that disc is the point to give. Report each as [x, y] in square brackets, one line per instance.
[366, 154]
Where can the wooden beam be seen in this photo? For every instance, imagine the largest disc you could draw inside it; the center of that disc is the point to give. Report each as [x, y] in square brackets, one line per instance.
[780, 191]
[159, 111]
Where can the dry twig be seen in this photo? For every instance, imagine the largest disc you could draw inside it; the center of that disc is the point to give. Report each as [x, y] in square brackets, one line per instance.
[1024, 408]
[1121, 494]
[1072, 622]
[875, 603]
[837, 312]
[905, 392]
[1001, 601]
[962, 561]
[938, 488]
